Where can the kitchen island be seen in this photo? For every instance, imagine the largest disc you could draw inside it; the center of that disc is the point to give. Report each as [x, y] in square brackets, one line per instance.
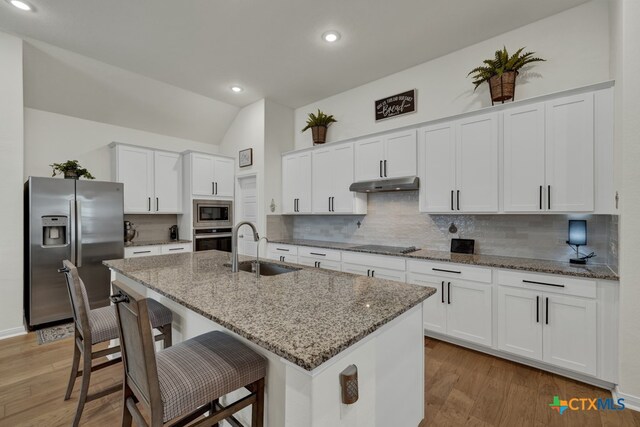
[310, 324]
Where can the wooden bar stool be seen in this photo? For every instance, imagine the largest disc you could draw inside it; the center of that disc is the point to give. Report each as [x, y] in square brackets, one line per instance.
[181, 383]
[98, 326]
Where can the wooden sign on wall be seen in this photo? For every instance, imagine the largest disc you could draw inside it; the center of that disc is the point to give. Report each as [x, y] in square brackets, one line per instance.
[396, 105]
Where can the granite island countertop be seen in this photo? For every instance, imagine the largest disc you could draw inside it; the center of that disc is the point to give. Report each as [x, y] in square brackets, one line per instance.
[306, 316]
[591, 271]
[155, 242]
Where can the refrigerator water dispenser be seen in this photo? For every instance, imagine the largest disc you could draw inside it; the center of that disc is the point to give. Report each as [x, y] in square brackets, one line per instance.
[54, 231]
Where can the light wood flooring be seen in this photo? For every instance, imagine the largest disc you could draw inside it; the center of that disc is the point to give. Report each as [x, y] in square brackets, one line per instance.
[463, 387]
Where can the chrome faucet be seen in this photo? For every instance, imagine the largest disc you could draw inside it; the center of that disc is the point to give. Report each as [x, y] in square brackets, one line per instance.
[258, 255]
[234, 243]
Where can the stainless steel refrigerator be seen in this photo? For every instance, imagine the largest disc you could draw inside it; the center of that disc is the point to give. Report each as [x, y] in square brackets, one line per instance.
[67, 219]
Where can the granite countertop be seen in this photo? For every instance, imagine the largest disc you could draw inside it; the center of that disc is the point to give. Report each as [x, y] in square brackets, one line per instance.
[591, 271]
[155, 242]
[306, 316]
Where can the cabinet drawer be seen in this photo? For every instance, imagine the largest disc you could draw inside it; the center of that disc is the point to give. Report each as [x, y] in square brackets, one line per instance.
[377, 272]
[175, 248]
[283, 257]
[138, 251]
[380, 261]
[314, 262]
[548, 283]
[277, 248]
[450, 270]
[319, 254]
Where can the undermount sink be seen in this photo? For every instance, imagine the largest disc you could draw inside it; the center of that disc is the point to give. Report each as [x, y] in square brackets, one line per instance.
[266, 268]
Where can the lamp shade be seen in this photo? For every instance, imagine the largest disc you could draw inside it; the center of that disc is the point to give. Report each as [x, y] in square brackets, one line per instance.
[577, 232]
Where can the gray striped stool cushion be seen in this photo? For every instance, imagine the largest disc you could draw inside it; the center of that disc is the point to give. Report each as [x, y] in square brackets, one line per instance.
[104, 324]
[198, 371]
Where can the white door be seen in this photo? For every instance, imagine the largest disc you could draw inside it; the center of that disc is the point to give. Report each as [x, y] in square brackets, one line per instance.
[437, 168]
[341, 178]
[524, 159]
[223, 176]
[168, 182]
[520, 322]
[303, 182]
[569, 339]
[569, 154]
[135, 171]
[369, 159]
[434, 308]
[202, 174]
[247, 207]
[322, 179]
[400, 155]
[477, 166]
[289, 183]
[469, 311]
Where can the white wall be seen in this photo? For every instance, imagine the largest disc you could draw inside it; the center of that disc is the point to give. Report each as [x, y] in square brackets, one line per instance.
[11, 153]
[278, 139]
[50, 137]
[575, 44]
[626, 33]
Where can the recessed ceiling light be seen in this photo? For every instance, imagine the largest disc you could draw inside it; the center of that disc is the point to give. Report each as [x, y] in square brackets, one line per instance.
[331, 36]
[236, 89]
[21, 5]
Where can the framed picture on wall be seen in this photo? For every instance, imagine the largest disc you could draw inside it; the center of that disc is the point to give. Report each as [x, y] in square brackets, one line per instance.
[246, 157]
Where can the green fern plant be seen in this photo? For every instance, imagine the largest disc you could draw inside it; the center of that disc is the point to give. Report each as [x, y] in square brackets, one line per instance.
[320, 119]
[502, 63]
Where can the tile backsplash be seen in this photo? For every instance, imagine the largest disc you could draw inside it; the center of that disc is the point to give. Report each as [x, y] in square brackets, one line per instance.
[393, 219]
[152, 227]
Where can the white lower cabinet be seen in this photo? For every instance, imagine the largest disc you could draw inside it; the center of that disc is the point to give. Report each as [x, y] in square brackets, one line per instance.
[320, 263]
[175, 248]
[140, 251]
[380, 266]
[557, 329]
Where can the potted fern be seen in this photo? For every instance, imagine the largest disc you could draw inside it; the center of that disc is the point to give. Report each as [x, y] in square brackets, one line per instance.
[71, 169]
[318, 123]
[501, 71]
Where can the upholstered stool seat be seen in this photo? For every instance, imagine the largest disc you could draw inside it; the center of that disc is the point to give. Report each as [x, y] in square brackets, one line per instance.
[209, 365]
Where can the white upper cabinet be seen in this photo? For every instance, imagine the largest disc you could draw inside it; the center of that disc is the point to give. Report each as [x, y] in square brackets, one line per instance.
[477, 164]
[387, 156]
[524, 159]
[167, 182]
[459, 166]
[296, 183]
[151, 179]
[570, 154]
[212, 176]
[332, 175]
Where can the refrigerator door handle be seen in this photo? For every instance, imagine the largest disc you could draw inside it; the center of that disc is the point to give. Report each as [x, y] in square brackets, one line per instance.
[79, 233]
[72, 228]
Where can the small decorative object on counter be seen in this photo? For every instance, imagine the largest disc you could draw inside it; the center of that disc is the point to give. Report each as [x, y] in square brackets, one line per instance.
[318, 123]
[130, 232]
[245, 158]
[349, 384]
[501, 71]
[71, 170]
[577, 238]
[272, 206]
[173, 232]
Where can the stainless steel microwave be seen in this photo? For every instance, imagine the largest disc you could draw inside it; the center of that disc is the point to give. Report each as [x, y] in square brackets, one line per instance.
[212, 213]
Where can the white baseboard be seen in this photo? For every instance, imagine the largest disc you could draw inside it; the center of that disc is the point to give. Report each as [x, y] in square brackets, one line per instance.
[630, 401]
[13, 332]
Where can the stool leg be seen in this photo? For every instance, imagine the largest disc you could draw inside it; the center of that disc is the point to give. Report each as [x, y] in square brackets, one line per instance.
[166, 331]
[74, 370]
[212, 410]
[257, 410]
[127, 418]
[84, 389]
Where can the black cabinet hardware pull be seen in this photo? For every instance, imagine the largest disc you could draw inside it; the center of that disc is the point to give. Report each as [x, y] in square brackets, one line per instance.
[385, 168]
[541, 197]
[142, 252]
[176, 249]
[442, 291]
[547, 310]
[542, 283]
[333, 204]
[149, 204]
[368, 273]
[329, 204]
[448, 292]
[281, 249]
[380, 168]
[446, 271]
[316, 253]
[537, 308]
[452, 200]
[373, 273]
[216, 187]
[458, 199]
[549, 197]
[213, 188]
[157, 204]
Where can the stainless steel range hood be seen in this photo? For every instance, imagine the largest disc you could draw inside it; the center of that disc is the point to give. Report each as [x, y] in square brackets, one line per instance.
[394, 184]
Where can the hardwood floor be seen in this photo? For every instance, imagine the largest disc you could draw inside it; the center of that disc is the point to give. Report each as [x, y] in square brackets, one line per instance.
[463, 387]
